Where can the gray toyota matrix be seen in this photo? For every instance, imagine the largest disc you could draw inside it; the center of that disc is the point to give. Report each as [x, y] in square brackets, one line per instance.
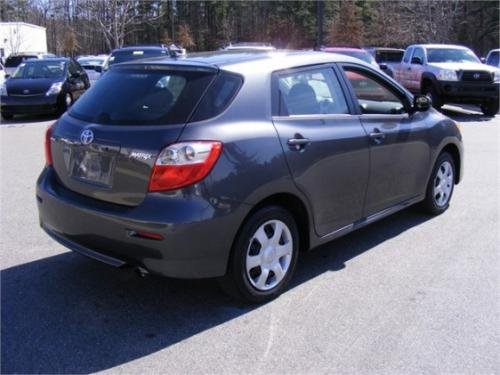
[229, 164]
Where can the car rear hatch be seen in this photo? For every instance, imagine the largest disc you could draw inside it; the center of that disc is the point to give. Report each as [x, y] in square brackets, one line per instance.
[107, 144]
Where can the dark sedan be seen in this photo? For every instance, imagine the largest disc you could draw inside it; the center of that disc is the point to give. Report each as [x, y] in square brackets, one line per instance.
[228, 164]
[43, 86]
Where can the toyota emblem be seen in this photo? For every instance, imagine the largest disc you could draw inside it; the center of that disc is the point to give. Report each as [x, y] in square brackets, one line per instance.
[87, 137]
[476, 75]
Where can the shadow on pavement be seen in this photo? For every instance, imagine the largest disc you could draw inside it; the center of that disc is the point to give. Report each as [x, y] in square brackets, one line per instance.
[465, 114]
[68, 314]
[29, 119]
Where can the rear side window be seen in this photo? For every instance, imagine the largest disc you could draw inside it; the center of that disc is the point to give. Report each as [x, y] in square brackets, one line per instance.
[139, 96]
[311, 92]
[218, 97]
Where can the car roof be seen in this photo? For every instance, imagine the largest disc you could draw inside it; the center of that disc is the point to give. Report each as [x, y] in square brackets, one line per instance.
[139, 47]
[384, 49]
[328, 49]
[454, 46]
[62, 59]
[242, 61]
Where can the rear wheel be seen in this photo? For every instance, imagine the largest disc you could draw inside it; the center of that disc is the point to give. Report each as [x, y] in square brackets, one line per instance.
[440, 186]
[490, 108]
[430, 90]
[263, 257]
[7, 116]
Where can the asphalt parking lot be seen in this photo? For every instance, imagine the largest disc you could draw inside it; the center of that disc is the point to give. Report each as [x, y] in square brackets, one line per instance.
[409, 294]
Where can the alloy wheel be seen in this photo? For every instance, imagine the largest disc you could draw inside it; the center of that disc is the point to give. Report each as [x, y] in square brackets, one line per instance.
[443, 184]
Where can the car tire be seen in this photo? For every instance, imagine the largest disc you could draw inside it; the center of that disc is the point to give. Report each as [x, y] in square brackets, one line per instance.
[431, 91]
[490, 108]
[7, 116]
[440, 186]
[261, 263]
[65, 102]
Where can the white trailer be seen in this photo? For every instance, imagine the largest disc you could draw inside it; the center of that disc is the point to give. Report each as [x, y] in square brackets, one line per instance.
[18, 37]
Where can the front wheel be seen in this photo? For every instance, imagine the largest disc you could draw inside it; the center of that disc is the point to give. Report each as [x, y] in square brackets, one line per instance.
[65, 102]
[263, 257]
[490, 108]
[7, 116]
[437, 101]
[440, 186]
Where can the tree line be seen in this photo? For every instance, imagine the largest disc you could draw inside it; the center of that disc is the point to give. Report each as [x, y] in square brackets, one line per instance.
[98, 26]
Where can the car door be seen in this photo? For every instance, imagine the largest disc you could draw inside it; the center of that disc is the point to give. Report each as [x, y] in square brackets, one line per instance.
[399, 151]
[416, 69]
[404, 71]
[326, 147]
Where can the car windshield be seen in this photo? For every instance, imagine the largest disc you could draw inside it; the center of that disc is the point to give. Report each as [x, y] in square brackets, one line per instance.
[40, 69]
[128, 55]
[94, 61]
[389, 56]
[13, 61]
[135, 96]
[365, 56]
[493, 59]
[444, 55]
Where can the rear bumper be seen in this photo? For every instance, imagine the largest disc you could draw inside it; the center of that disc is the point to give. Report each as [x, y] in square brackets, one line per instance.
[197, 235]
[469, 92]
[19, 105]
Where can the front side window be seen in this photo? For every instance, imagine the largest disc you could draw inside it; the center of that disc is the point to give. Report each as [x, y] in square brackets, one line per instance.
[406, 56]
[493, 59]
[419, 54]
[373, 97]
[140, 96]
[311, 92]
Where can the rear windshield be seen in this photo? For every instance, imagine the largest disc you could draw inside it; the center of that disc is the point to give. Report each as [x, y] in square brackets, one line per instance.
[13, 61]
[389, 56]
[128, 55]
[136, 96]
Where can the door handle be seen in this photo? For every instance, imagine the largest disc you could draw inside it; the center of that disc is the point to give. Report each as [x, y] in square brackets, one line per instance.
[377, 136]
[298, 142]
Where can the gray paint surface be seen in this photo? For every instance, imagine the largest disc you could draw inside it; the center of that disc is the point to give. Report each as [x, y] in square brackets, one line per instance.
[404, 295]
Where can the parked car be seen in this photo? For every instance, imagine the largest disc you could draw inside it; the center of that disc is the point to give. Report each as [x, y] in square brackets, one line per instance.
[449, 73]
[43, 86]
[93, 66]
[493, 58]
[249, 46]
[227, 165]
[15, 59]
[2, 74]
[135, 53]
[386, 58]
[353, 52]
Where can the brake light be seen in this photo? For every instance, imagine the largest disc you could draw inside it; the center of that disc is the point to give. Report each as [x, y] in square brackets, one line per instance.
[48, 151]
[183, 164]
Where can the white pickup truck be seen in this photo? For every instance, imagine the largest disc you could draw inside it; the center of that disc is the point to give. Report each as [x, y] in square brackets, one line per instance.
[449, 73]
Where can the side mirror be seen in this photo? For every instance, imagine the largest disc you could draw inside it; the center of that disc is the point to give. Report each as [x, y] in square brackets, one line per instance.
[383, 66]
[421, 103]
[98, 68]
[416, 60]
[483, 60]
[7, 76]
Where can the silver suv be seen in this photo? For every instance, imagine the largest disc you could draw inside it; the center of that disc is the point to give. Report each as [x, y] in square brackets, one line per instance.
[449, 73]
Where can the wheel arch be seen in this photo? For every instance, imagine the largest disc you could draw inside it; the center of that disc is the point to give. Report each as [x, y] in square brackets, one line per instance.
[453, 150]
[295, 206]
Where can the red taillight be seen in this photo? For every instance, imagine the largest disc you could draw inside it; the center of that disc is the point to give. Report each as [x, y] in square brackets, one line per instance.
[183, 164]
[48, 151]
